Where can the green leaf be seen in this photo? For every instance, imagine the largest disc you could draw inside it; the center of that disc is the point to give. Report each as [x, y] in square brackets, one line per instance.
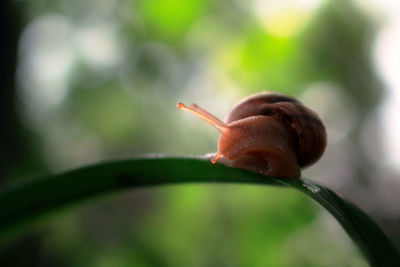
[21, 203]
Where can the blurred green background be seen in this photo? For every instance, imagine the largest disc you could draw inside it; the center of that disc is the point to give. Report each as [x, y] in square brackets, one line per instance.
[86, 81]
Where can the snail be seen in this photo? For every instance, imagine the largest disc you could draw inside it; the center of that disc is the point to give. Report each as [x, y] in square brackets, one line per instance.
[268, 133]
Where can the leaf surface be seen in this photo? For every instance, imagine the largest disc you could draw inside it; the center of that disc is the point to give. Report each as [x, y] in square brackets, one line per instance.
[20, 203]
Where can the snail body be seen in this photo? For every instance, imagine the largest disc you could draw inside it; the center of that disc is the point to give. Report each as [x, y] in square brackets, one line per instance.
[268, 133]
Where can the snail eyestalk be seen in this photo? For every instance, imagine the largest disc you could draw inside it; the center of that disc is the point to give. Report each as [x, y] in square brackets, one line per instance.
[208, 117]
[216, 157]
[205, 112]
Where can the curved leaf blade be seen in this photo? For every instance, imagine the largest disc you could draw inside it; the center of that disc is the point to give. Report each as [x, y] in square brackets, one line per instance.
[21, 203]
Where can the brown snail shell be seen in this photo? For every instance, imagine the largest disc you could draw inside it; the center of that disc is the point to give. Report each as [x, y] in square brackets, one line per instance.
[268, 133]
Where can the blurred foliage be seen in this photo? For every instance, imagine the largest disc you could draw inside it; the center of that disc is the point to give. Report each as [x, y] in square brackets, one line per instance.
[270, 62]
[117, 109]
[100, 79]
[186, 225]
[170, 20]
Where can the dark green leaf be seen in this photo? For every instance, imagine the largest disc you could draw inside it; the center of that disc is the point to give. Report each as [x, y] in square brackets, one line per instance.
[21, 203]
